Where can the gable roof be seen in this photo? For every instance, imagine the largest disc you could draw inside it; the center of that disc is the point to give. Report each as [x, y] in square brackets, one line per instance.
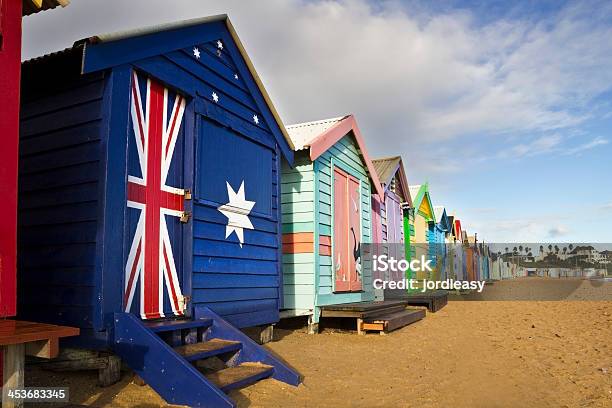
[320, 135]
[439, 212]
[420, 194]
[386, 168]
[457, 227]
[451, 222]
[414, 191]
[303, 134]
[108, 50]
[441, 217]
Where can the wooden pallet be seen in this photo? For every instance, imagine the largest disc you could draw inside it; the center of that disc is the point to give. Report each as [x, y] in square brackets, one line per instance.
[369, 315]
[393, 321]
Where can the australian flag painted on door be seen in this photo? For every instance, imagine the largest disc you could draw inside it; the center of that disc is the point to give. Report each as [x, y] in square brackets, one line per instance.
[152, 284]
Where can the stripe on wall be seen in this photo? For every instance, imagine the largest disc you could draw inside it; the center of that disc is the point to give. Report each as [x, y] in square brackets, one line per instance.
[325, 246]
[298, 243]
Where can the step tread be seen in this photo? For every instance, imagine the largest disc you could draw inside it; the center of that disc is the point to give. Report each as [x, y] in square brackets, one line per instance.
[386, 311]
[169, 325]
[240, 376]
[208, 348]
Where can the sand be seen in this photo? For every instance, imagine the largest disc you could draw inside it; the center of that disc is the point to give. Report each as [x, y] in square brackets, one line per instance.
[469, 354]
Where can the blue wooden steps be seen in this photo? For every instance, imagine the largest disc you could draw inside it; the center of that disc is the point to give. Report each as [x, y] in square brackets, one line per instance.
[165, 355]
[172, 325]
[240, 376]
[206, 349]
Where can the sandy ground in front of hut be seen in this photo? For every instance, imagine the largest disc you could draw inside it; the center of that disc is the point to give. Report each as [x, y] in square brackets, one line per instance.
[469, 354]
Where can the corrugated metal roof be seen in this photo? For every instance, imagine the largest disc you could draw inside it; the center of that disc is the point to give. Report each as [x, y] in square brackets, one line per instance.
[385, 168]
[302, 134]
[52, 55]
[34, 6]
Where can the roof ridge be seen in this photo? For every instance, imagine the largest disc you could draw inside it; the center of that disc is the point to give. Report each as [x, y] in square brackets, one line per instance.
[388, 158]
[316, 122]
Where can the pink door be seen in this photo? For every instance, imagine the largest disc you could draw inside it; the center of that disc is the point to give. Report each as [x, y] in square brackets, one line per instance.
[355, 234]
[347, 233]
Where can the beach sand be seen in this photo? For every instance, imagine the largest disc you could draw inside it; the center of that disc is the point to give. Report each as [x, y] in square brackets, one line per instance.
[469, 354]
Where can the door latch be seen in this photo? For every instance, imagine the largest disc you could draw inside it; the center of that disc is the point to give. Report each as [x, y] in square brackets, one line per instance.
[185, 217]
[187, 194]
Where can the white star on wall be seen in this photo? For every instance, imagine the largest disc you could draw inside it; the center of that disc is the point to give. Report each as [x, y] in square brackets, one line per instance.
[196, 52]
[237, 211]
[215, 97]
[256, 119]
[219, 44]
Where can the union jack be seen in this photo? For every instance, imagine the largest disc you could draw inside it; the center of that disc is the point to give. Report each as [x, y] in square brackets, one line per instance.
[151, 261]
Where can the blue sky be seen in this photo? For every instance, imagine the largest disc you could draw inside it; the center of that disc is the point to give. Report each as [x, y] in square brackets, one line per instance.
[505, 109]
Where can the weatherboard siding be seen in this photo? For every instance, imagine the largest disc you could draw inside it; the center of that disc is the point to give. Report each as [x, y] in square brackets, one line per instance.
[60, 152]
[298, 217]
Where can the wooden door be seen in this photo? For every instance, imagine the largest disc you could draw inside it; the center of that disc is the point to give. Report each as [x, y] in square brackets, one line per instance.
[356, 262]
[347, 233]
[155, 201]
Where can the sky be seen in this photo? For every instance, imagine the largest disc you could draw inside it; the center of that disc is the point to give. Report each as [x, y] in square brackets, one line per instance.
[505, 110]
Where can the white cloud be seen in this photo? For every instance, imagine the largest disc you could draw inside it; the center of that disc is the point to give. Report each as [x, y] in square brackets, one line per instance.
[558, 231]
[541, 145]
[547, 144]
[406, 76]
[598, 141]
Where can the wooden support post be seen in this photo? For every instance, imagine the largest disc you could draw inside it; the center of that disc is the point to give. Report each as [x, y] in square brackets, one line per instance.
[111, 373]
[313, 328]
[12, 371]
[359, 327]
[267, 334]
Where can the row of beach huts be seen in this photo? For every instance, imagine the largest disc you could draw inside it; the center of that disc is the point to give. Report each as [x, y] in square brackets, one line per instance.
[163, 206]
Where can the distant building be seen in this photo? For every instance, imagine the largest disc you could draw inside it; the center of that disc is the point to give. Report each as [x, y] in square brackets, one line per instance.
[586, 253]
[605, 257]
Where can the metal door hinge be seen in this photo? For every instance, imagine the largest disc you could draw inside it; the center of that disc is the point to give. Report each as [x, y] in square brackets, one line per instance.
[183, 302]
[185, 217]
